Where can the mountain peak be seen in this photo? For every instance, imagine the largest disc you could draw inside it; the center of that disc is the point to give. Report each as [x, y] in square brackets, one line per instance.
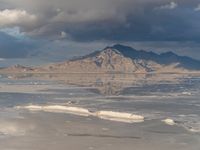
[121, 47]
[110, 51]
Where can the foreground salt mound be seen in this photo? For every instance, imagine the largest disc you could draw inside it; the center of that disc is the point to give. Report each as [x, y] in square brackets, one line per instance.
[186, 93]
[31, 107]
[120, 116]
[192, 129]
[169, 122]
[73, 110]
[58, 109]
[107, 115]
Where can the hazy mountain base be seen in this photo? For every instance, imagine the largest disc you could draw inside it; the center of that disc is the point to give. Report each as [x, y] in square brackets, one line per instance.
[105, 84]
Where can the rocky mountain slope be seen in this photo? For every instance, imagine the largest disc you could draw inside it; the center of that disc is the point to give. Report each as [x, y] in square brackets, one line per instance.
[121, 59]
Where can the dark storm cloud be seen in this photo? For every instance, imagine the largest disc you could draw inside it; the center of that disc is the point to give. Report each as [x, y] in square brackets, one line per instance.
[86, 20]
[111, 21]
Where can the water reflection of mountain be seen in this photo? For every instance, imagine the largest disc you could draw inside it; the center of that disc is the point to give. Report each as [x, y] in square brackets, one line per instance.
[107, 84]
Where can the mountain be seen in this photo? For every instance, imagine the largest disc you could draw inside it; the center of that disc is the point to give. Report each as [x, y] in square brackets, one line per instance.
[122, 59]
[163, 58]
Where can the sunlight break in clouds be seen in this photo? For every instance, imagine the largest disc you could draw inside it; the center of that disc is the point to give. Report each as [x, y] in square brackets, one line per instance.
[15, 17]
[171, 5]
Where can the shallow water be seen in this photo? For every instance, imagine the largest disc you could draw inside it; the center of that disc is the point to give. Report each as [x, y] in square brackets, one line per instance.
[59, 111]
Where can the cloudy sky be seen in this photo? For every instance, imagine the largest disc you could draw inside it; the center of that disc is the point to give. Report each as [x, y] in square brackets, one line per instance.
[75, 27]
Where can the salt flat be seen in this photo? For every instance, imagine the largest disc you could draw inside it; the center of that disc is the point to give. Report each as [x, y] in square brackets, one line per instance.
[146, 112]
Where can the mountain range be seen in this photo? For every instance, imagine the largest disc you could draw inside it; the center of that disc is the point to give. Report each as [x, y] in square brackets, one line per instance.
[119, 59]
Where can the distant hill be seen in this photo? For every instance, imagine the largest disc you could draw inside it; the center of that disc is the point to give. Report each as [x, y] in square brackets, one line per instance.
[121, 59]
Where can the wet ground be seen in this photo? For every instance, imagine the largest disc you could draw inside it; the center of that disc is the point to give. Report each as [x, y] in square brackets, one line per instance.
[156, 98]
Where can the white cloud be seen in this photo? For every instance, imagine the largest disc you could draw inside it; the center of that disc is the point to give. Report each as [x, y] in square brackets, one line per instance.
[63, 34]
[171, 5]
[197, 8]
[15, 17]
[85, 20]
